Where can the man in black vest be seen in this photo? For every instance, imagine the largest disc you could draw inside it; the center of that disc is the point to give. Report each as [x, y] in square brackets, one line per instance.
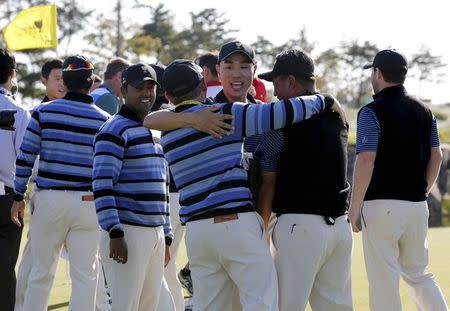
[398, 160]
[312, 236]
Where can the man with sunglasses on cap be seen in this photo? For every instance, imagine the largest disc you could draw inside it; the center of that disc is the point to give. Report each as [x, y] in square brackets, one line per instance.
[10, 141]
[224, 235]
[311, 211]
[398, 160]
[131, 189]
[62, 134]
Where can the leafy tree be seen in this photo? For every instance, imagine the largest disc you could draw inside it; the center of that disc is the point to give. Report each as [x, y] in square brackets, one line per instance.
[356, 82]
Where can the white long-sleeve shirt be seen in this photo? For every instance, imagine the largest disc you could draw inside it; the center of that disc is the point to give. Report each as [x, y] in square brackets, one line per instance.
[10, 141]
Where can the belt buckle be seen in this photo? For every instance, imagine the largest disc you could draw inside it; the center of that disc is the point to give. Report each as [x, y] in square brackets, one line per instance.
[225, 218]
[87, 198]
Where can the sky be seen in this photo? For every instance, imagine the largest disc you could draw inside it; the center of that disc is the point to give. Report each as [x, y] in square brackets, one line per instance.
[403, 25]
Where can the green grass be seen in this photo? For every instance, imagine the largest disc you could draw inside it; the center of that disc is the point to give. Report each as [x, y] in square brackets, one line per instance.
[439, 264]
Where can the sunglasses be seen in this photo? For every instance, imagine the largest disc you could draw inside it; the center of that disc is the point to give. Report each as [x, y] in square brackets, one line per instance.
[79, 66]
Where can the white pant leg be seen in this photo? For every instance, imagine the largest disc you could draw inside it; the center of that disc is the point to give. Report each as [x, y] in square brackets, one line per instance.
[384, 225]
[170, 271]
[425, 291]
[50, 225]
[165, 298]
[230, 252]
[82, 244]
[136, 285]
[102, 297]
[332, 289]
[300, 243]
[26, 263]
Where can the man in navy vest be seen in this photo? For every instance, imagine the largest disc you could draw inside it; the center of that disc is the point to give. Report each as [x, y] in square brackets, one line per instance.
[397, 162]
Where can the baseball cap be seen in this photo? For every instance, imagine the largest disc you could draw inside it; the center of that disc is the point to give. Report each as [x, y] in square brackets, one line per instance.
[181, 77]
[77, 63]
[291, 62]
[159, 69]
[236, 47]
[389, 61]
[136, 74]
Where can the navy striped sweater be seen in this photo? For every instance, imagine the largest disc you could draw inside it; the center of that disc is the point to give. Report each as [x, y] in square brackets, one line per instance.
[62, 133]
[131, 176]
[208, 172]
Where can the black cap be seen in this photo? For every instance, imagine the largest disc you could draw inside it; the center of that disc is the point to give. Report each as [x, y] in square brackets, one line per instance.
[181, 77]
[236, 47]
[291, 62]
[389, 61]
[136, 74]
[76, 63]
[159, 69]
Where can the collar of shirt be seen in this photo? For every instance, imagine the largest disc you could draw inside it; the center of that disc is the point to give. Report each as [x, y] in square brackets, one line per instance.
[186, 105]
[45, 99]
[129, 114]
[221, 98]
[79, 97]
[107, 86]
[5, 91]
[396, 90]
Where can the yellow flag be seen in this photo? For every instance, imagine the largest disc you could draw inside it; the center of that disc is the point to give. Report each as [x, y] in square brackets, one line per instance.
[32, 28]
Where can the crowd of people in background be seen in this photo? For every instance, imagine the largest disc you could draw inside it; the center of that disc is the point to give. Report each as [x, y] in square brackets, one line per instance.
[125, 167]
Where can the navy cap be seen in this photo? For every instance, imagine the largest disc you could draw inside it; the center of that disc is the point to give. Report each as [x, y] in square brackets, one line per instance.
[76, 63]
[236, 47]
[181, 77]
[291, 62]
[159, 69]
[389, 61]
[136, 74]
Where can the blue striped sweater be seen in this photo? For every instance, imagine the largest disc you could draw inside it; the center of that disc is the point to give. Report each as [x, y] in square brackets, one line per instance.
[131, 176]
[208, 172]
[62, 133]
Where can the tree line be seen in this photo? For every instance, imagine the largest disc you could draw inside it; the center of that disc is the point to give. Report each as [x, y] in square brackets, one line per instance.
[105, 35]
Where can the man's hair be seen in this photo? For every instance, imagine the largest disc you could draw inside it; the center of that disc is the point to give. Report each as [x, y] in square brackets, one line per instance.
[76, 81]
[209, 60]
[114, 66]
[295, 58]
[393, 77]
[7, 65]
[189, 95]
[49, 66]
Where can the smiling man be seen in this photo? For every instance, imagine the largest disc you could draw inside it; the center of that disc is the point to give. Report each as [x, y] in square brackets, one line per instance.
[131, 189]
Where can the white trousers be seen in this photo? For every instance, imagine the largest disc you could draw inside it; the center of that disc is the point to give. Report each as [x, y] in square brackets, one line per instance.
[136, 285]
[394, 241]
[61, 217]
[313, 261]
[229, 256]
[172, 293]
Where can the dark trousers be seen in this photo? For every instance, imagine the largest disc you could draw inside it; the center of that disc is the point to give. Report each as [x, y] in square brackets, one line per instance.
[10, 236]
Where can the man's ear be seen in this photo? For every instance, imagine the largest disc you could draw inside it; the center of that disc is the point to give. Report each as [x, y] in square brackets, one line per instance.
[123, 89]
[218, 71]
[168, 97]
[44, 81]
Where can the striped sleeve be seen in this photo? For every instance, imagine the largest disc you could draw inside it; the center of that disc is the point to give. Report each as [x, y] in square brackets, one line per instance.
[434, 134]
[271, 146]
[257, 119]
[108, 158]
[367, 131]
[29, 150]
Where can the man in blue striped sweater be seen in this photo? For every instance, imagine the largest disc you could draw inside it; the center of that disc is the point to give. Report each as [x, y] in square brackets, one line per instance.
[131, 189]
[62, 133]
[224, 235]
